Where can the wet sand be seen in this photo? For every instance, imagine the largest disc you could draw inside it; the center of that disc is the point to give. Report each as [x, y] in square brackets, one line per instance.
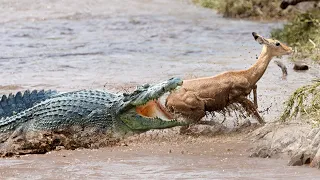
[71, 45]
[192, 158]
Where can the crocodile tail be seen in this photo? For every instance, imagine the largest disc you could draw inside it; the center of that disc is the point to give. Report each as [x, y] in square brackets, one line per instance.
[12, 104]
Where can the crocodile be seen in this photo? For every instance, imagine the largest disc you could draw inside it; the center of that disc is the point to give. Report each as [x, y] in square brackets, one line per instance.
[116, 114]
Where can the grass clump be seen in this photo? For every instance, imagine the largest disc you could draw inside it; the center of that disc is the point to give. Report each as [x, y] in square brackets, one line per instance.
[250, 9]
[305, 101]
[212, 4]
[302, 33]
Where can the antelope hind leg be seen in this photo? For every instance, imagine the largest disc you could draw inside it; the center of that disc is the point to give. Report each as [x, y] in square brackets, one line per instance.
[250, 107]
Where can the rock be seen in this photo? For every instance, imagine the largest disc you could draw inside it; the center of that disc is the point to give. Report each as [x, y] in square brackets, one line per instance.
[262, 152]
[308, 156]
[315, 141]
[284, 4]
[246, 123]
[313, 133]
[295, 161]
[316, 160]
[59, 148]
[302, 157]
[299, 141]
[300, 67]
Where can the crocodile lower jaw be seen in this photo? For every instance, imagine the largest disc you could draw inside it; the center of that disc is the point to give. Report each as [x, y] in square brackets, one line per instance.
[154, 109]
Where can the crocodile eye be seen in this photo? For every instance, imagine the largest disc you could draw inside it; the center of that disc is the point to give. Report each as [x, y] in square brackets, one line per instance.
[277, 44]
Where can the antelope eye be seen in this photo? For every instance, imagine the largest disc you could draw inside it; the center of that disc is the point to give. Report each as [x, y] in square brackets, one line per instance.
[277, 44]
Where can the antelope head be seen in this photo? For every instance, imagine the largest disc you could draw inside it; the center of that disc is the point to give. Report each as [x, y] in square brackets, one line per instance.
[275, 47]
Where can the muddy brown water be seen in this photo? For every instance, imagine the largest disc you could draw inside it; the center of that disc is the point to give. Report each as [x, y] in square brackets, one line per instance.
[69, 45]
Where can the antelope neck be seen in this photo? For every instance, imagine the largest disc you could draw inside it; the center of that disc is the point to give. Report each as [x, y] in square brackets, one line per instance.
[255, 72]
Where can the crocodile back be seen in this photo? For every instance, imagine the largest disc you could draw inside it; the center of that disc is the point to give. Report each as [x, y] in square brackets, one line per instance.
[84, 107]
[13, 104]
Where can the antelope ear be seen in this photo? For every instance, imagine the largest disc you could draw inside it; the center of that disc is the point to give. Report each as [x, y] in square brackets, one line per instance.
[259, 38]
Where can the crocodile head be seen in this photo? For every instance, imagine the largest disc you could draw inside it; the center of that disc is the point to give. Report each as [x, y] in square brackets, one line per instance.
[141, 109]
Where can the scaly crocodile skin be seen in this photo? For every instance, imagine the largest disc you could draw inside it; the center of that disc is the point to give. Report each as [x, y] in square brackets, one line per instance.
[52, 111]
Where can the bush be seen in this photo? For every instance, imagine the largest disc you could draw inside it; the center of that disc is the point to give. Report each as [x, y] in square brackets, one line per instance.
[251, 9]
[305, 101]
[302, 33]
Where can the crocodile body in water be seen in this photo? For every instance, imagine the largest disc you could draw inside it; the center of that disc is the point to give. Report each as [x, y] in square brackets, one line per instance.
[79, 116]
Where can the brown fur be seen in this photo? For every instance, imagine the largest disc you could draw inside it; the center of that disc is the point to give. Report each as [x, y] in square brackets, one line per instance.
[197, 96]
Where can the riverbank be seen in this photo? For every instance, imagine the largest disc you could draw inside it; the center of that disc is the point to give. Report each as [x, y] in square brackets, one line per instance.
[296, 134]
[159, 154]
[298, 141]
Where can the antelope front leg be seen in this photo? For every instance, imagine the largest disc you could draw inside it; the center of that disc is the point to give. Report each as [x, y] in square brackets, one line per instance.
[255, 98]
[250, 107]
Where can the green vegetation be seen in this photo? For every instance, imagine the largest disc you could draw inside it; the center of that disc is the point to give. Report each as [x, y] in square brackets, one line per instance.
[305, 101]
[212, 4]
[302, 33]
[250, 9]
